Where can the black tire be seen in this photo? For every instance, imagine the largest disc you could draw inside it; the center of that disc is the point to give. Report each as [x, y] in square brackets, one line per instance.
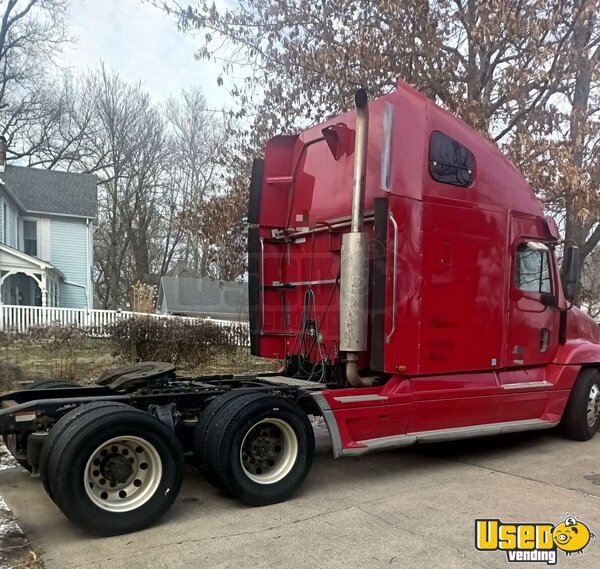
[59, 428]
[579, 421]
[11, 441]
[202, 434]
[261, 448]
[77, 481]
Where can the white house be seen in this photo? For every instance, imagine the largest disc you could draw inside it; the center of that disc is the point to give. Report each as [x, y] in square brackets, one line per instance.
[46, 236]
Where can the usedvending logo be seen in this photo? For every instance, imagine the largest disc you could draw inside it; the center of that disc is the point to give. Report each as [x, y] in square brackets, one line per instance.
[537, 542]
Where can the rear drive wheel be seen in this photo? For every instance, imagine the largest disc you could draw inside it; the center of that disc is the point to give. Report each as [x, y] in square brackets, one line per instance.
[17, 444]
[115, 470]
[123, 473]
[59, 428]
[262, 448]
[582, 415]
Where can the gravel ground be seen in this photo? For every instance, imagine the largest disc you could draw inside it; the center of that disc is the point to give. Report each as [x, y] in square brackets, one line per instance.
[15, 550]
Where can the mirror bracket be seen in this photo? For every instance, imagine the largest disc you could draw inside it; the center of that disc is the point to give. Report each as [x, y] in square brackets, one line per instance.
[548, 299]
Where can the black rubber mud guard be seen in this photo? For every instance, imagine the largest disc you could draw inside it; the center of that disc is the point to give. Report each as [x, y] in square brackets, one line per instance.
[254, 255]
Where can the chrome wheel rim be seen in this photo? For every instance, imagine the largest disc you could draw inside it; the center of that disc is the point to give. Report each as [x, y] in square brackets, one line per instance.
[593, 409]
[122, 474]
[269, 451]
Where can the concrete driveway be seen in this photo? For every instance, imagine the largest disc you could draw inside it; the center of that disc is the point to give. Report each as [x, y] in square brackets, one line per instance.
[407, 508]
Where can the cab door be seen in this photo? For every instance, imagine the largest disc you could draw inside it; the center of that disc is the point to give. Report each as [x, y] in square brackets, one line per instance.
[532, 335]
[533, 317]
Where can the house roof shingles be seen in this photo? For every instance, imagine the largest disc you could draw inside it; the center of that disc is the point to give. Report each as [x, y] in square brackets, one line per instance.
[205, 297]
[49, 191]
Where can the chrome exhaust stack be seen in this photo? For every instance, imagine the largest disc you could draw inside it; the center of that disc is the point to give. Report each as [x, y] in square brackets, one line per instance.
[354, 275]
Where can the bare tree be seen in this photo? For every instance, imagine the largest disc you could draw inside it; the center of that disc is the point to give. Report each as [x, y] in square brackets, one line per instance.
[35, 98]
[197, 141]
[128, 150]
[152, 163]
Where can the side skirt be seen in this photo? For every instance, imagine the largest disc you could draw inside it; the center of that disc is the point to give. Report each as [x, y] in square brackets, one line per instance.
[441, 435]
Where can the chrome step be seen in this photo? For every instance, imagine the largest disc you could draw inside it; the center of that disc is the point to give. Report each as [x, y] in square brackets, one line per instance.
[283, 380]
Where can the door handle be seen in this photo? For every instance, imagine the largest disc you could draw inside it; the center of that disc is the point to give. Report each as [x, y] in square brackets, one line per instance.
[544, 339]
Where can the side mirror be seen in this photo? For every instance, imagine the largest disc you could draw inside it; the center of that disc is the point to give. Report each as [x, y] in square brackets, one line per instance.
[570, 272]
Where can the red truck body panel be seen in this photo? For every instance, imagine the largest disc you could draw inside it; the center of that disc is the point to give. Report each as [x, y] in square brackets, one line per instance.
[459, 343]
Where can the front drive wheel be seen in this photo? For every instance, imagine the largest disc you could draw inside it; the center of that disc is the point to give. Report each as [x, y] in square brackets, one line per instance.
[261, 449]
[269, 451]
[582, 414]
[115, 470]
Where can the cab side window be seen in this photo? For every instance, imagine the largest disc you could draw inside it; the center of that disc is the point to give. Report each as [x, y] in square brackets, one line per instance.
[449, 161]
[533, 268]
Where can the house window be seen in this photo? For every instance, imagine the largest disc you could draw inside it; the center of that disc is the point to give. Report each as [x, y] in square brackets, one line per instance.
[449, 161]
[533, 268]
[4, 223]
[30, 238]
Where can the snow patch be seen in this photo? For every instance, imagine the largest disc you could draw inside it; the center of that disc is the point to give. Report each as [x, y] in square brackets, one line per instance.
[6, 459]
[8, 525]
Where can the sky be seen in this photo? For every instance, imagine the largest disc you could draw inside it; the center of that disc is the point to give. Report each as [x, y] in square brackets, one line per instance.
[143, 43]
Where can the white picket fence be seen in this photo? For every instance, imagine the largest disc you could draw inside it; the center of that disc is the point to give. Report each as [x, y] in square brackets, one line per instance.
[20, 319]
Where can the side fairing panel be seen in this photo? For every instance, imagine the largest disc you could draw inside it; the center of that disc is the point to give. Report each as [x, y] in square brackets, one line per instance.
[403, 304]
[462, 304]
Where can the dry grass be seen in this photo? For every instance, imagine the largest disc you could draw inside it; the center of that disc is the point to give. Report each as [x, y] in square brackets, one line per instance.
[46, 360]
[85, 360]
[20, 558]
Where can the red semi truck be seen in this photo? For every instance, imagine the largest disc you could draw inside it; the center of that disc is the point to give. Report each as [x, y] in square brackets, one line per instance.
[404, 273]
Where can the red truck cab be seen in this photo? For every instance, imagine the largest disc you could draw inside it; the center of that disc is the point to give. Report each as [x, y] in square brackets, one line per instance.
[466, 329]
